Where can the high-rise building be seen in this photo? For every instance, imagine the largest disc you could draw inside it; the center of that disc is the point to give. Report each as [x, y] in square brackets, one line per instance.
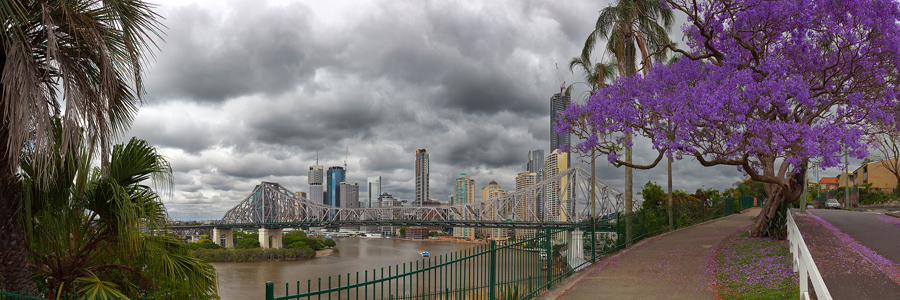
[525, 207]
[464, 193]
[349, 194]
[335, 176]
[421, 175]
[536, 163]
[374, 190]
[558, 103]
[314, 178]
[499, 233]
[556, 193]
[490, 210]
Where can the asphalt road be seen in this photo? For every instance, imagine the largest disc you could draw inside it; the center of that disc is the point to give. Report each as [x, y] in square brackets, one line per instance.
[849, 274]
[865, 228]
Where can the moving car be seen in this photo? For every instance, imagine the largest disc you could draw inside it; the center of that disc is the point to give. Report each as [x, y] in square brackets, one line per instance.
[832, 203]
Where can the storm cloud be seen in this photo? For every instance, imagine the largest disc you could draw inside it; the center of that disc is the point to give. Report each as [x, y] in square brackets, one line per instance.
[245, 91]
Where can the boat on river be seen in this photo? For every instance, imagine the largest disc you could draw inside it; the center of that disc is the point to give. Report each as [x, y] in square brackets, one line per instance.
[425, 254]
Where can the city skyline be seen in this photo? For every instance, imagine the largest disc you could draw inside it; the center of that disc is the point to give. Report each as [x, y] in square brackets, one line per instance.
[289, 79]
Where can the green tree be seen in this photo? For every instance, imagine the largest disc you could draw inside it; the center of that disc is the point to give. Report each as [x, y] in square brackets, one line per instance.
[297, 244]
[77, 59]
[247, 244]
[329, 243]
[106, 236]
[297, 233]
[653, 195]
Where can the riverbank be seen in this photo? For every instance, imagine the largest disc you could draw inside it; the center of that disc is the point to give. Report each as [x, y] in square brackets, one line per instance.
[248, 255]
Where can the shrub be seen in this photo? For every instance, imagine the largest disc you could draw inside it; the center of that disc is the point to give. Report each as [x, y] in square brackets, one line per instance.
[242, 255]
[329, 243]
[247, 244]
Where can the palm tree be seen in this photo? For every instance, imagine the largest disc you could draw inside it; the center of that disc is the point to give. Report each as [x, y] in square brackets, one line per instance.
[628, 26]
[80, 60]
[106, 236]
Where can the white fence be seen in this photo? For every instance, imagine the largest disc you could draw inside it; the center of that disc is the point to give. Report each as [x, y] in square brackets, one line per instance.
[803, 263]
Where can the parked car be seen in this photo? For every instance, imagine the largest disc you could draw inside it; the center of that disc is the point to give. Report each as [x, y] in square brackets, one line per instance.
[810, 207]
[832, 203]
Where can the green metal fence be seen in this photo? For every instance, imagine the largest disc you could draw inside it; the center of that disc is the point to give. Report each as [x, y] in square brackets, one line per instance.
[491, 271]
[507, 269]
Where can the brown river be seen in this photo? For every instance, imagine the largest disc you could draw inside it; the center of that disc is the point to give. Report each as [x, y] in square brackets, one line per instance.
[246, 280]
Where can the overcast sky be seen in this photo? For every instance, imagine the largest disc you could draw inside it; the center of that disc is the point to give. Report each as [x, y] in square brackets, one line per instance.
[248, 91]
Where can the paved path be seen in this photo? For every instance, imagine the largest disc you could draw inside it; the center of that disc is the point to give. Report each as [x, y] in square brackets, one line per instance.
[676, 265]
[855, 252]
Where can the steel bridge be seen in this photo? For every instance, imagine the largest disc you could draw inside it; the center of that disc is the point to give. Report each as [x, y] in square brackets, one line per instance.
[562, 200]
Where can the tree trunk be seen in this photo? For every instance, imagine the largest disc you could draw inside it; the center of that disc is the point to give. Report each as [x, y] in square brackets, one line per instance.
[13, 259]
[669, 196]
[772, 220]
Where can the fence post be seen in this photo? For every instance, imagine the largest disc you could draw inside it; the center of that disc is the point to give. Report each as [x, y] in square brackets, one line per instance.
[270, 290]
[675, 215]
[548, 246]
[493, 269]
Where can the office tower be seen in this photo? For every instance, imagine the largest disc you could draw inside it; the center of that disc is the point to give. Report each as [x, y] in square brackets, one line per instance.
[558, 103]
[335, 176]
[314, 178]
[421, 175]
[349, 194]
[525, 203]
[374, 190]
[536, 163]
[464, 193]
[556, 193]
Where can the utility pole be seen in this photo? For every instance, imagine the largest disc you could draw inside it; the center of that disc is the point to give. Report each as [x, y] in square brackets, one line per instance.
[847, 180]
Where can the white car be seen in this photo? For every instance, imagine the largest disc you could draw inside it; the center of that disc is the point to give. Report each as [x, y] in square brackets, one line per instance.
[832, 203]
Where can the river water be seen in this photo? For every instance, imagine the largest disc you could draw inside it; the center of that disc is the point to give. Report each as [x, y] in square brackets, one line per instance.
[246, 280]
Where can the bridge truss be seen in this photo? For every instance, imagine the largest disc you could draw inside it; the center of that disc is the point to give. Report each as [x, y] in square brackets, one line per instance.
[558, 200]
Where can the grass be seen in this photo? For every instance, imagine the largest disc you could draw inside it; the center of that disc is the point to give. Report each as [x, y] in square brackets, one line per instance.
[754, 268]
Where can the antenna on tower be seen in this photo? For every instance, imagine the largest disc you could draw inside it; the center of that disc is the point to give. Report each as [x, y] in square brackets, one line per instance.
[345, 159]
[559, 77]
[317, 157]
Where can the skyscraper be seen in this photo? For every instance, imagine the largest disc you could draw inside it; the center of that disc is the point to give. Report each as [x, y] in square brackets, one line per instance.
[492, 191]
[349, 194]
[486, 190]
[421, 175]
[374, 190]
[525, 203]
[536, 163]
[336, 175]
[314, 178]
[556, 193]
[463, 193]
[558, 103]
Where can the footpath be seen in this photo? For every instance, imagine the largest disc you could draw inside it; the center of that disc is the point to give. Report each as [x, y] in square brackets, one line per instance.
[675, 265]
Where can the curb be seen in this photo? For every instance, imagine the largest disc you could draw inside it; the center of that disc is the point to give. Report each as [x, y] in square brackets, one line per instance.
[565, 285]
[893, 214]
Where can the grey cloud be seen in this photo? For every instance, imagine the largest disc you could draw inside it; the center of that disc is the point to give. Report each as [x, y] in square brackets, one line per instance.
[211, 58]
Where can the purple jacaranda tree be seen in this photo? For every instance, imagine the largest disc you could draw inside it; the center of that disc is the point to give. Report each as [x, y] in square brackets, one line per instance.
[764, 86]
